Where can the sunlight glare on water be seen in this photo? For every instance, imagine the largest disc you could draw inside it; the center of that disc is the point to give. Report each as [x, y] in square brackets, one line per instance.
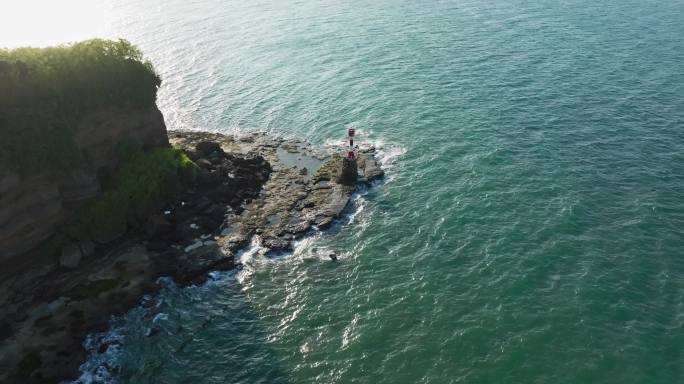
[530, 226]
[41, 23]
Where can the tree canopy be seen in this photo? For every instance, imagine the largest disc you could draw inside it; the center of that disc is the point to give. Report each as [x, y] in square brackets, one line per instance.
[45, 91]
[76, 77]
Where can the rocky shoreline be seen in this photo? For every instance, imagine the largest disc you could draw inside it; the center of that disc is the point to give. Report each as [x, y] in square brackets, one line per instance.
[248, 186]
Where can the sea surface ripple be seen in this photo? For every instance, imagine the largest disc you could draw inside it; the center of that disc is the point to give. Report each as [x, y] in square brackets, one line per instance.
[530, 230]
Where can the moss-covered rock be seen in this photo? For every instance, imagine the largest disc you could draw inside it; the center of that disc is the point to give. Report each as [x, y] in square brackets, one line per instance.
[143, 182]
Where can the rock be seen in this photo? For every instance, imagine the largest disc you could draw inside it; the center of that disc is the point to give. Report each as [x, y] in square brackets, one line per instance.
[188, 202]
[196, 245]
[372, 170]
[304, 171]
[87, 248]
[349, 173]
[195, 266]
[204, 164]
[18, 297]
[202, 204]
[22, 228]
[276, 244]
[5, 331]
[332, 256]
[180, 214]
[71, 256]
[226, 191]
[322, 185]
[217, 155]
[209, 147]
[158, 225]
[204, 177]
[336, 202]
[323, 222]
[208, 178]
[193, 155]
[188, 231]
[157, 245]
[207, 224]
[78, 186]
[239, 182]
[296, 226]
[216, 212]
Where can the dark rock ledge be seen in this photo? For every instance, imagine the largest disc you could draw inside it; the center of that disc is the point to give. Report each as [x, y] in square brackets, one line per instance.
[251, 185]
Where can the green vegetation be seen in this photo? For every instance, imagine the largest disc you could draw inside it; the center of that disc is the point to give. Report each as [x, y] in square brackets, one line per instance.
[36, 143]
[76, 78]
[45, 91]
[141, 182]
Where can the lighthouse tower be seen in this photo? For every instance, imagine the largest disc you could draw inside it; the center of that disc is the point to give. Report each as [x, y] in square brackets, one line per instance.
[350, 153]
[349, 172]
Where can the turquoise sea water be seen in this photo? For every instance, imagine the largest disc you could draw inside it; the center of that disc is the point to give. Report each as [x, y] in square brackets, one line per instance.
[530, 230]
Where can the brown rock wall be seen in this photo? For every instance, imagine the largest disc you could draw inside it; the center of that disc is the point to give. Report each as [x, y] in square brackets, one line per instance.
[34, 206]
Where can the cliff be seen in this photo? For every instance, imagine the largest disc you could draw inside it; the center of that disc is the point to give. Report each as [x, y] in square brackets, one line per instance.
[34, 204]
[64, 113]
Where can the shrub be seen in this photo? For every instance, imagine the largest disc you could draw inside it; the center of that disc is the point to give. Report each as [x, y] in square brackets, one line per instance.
[141, 182]
[77, 77]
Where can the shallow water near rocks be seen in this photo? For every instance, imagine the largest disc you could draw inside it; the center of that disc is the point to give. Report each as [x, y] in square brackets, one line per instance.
[273, 220]
[298, 160]
[530, 226]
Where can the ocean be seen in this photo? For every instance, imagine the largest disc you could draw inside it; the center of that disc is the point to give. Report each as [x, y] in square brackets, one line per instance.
[531, 225]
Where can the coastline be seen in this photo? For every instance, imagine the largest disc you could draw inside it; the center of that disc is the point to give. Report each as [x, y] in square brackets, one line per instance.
[248, 186]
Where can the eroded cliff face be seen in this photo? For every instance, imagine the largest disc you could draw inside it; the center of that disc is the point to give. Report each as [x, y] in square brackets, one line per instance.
[33, 206]
[99, 132]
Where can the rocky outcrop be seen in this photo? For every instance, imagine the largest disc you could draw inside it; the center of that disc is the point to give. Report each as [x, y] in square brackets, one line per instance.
[308, 188]
[32, 206]
[248, 188]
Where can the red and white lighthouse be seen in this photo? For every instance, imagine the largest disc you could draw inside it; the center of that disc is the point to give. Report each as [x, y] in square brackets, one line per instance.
[350, 153]
[349, 173]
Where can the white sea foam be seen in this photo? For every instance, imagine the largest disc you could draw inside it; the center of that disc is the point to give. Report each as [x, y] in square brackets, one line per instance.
[387, 153]
[249, 259]
[98, 367]
[301, 246]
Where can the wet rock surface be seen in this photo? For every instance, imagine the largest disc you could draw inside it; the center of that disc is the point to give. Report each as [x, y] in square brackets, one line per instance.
[248, 187]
